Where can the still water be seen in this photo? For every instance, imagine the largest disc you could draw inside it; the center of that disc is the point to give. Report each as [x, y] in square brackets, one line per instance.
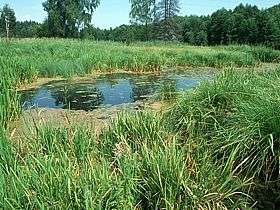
[106, 90]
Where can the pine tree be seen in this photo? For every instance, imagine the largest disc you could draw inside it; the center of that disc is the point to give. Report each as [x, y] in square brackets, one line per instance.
[7, 21]
[166, 10]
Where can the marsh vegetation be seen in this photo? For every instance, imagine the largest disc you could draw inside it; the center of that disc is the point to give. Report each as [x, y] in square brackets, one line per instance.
[213, 147]
[205, 138]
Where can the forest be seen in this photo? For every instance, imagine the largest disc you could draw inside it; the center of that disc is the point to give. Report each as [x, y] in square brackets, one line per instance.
[154, 20]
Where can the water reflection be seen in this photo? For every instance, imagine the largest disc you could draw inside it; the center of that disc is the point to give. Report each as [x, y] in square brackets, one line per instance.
[142, 89]
[78, 97]
[107, 90]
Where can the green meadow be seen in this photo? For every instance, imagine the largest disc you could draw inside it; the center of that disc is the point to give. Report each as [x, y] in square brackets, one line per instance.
[212, 147]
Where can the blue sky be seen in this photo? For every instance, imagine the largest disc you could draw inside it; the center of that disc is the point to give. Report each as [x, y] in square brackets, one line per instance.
[112, 13]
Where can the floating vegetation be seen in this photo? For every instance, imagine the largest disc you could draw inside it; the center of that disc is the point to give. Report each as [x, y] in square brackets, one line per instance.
[89, 95]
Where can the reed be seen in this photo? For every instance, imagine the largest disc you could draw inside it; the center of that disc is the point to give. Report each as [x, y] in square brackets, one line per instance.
[57, 57]
[237, 114]
[215, 148]
[9, 99]
[140, 165]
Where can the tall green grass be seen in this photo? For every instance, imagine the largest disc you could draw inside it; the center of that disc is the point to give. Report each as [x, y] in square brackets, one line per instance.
[216, 148]
[9, 99]
[238, 116]
[56, 57]
[134, 164]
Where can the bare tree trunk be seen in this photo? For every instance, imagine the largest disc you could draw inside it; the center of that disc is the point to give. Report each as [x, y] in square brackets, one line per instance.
[166, 18]
[147, 31]
[170, 9]
[165, 9]
[154, 6]
[7, 27]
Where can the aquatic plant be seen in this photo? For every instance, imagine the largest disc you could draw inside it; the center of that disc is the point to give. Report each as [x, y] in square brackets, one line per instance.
[167, 90]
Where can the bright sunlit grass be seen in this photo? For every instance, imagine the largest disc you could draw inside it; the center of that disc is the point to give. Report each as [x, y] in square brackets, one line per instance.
[215, 148]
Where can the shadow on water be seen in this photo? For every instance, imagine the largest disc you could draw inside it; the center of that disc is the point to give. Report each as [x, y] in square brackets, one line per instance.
[106, 90]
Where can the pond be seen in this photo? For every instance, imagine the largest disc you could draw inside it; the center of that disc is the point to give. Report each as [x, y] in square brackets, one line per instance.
[106, 90]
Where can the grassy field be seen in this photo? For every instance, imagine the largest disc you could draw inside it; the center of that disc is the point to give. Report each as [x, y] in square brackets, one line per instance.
[48, 58]
[215, 147]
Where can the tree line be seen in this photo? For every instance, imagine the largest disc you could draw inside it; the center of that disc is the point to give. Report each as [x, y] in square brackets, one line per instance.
[152, 20]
